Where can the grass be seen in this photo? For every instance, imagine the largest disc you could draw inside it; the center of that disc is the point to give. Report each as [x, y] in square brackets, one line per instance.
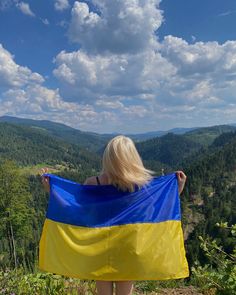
[39, 283]
[36, 169]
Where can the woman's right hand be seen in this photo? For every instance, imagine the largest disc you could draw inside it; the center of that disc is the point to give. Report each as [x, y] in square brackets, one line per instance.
[45, 180]
[181, 180]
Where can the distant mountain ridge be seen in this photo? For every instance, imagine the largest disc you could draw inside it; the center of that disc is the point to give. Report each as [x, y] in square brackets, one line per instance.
[70, 133]
[148, 135]
[166, 151]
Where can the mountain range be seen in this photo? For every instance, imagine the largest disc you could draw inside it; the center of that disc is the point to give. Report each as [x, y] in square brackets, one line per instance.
[30, 142]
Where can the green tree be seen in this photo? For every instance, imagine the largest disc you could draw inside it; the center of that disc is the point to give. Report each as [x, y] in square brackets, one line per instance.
[15, 213]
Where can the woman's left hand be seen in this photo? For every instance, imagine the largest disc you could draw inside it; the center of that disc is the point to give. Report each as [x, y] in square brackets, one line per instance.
[45, 179]
[181, 180]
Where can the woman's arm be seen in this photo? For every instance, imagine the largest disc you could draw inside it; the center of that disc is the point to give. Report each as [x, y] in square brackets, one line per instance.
[181, 180]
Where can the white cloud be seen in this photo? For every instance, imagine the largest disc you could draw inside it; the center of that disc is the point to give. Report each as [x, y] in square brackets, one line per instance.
[13, 75]
[123, 78]
[155, 84]
[89, 77]
[61, 5]
[204, 70]
[193, 38]
[22, 94]
[226, 13]
[202, 60]
[25, 8]
[118, 27]
[192, 59]
[171, 72]
[45, 21]
[34, 99]
[109, 104]
[38, 102]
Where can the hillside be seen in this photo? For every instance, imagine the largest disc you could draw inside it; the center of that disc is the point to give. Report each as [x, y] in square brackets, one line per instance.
[206, 135]
[210, 194]
[175, 151]
[170, 149]
[28, 146]
[88, 140]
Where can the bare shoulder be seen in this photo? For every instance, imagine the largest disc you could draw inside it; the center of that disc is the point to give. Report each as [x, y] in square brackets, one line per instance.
[103, 178]
[91, 180]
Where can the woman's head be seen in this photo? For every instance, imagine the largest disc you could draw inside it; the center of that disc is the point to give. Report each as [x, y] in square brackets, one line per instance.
[123, 165]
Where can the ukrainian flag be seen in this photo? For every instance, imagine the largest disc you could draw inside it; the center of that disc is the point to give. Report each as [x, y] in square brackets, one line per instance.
[101, 233]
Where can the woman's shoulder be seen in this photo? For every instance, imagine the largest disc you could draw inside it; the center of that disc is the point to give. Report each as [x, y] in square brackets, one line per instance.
[91, 180]
[103, 179]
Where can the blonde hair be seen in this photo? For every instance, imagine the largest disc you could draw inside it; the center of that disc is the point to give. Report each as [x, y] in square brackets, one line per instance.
[123, 166]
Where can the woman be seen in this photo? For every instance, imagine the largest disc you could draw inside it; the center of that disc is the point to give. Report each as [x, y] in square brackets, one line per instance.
[123, 168]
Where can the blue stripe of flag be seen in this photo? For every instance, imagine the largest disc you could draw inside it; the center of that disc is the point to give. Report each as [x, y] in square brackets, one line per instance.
[99, 206]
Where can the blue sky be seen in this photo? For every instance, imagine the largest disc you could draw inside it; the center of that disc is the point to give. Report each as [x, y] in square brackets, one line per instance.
[119, 66]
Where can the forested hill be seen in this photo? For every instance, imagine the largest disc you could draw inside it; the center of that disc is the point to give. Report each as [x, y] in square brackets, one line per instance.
[173, 151]
[206, 135]
[210, 193]
[31, 142]
[170, 149]
[28, 146]
[88, 140]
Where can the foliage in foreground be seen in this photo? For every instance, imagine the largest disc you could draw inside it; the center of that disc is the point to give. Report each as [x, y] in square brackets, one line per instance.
[220, 273]
[20, 282]
[17, 282]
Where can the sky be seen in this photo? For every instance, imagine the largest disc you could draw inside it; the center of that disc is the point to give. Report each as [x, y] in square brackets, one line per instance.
[119, 66]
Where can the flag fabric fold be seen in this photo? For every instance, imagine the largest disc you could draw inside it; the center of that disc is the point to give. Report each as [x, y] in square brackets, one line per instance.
[101, 233]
